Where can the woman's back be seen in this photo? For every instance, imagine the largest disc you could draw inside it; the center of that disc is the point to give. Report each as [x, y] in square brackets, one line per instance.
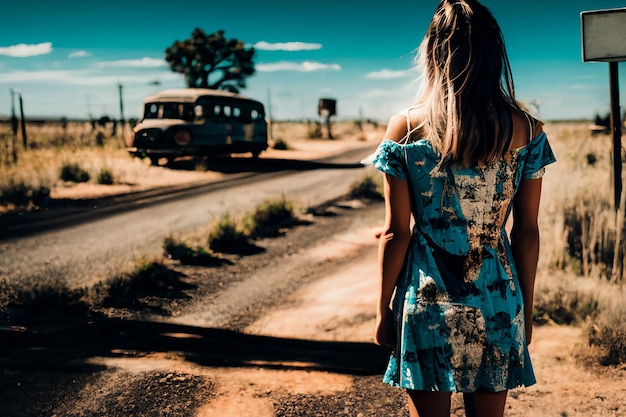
[462, 256]
[473, 200]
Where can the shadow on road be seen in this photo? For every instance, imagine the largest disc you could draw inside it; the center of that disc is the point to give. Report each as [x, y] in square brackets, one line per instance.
[55, 347]
[238, 165]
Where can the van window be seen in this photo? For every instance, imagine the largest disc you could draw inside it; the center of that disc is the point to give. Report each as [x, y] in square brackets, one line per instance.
[184, 111]
[236, 112]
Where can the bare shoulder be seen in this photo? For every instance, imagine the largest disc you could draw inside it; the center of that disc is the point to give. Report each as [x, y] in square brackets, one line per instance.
[397, 127]
[406, 123]
[525, 127]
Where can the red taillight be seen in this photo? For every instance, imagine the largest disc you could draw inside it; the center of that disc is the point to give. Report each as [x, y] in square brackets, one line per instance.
[182, 137]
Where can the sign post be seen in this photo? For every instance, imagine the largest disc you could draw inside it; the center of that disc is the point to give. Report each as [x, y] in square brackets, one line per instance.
[604, 40]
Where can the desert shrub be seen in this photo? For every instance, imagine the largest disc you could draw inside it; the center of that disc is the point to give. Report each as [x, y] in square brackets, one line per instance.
[52, 299]
[125, 290]
[608, 335]
[73, 172]
[226, 236]
[281, 144]
[178, 250]
[8, 297]
[268, 218]
[564, 306]
[370, 188]
[606, 332]
[590, 230]
[105, 176]
[597, 306]
[20, 194]
[175, 249]
[99, 138]
[591, 158]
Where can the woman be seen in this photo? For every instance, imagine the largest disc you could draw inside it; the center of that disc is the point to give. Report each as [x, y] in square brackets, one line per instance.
[456, 165]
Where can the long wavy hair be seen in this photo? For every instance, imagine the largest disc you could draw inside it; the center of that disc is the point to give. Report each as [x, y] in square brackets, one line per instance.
[467, 97]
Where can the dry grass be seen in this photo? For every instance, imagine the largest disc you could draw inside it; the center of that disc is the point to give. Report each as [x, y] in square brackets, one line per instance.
[581, 267]
[53, 150]
[577, 215]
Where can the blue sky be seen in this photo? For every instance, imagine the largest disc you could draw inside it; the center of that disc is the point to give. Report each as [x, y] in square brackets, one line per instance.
[67, 58]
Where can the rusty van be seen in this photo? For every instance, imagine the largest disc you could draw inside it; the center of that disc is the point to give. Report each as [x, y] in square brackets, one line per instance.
[200, 123]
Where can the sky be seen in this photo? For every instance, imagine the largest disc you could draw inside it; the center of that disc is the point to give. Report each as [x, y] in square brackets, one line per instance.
[67, 59]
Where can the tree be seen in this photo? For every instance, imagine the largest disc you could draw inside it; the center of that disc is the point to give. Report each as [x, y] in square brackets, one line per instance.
[211, 61]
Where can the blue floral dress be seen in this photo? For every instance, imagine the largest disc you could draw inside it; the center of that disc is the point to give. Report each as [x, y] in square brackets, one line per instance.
[458, 304]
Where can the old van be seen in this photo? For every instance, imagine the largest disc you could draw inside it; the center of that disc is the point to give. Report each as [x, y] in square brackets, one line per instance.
[198, 122]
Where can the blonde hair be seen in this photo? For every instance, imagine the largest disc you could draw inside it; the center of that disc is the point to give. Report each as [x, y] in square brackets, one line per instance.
[466, 99]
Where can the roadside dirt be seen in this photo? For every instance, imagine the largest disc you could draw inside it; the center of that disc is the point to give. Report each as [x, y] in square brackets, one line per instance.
[140, 176]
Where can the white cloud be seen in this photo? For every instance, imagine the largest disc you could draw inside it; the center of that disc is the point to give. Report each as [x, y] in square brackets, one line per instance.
[46, 75]
[287, 46]
[85, 77]
[144, 62]
[23, 50]
[306, 66]
[590, 87]
[386, 74]
[79, 54]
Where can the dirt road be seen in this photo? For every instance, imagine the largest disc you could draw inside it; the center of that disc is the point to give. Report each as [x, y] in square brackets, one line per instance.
[286, 332]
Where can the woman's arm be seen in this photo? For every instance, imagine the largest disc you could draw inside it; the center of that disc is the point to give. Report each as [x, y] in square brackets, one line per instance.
[525, 243]
[393, 241]
[392, 247]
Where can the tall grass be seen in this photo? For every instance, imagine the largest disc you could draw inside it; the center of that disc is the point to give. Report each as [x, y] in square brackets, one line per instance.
[578, 220]
[581, 261]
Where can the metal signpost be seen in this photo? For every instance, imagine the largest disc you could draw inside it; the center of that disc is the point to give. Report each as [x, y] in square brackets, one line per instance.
[604, 40]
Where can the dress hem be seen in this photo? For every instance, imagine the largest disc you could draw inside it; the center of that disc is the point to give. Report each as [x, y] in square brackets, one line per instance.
[521, 385]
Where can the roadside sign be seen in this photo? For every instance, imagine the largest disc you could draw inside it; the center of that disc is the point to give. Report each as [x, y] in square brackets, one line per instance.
[604, 40]
[604, 35]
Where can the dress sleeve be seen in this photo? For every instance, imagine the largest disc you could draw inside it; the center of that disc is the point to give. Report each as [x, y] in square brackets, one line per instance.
[389, 158]
[539, 156]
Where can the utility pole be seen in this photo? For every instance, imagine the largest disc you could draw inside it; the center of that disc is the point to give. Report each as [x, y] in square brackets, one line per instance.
[23, 122]
[13, 127]
[13, 117]
[269, 114]
[121, 105]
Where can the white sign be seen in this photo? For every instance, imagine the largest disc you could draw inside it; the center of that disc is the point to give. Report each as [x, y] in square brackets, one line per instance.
[604, 35]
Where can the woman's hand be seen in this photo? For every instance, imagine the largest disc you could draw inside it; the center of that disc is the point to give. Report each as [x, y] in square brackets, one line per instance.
[528, 321]
[385, 334]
